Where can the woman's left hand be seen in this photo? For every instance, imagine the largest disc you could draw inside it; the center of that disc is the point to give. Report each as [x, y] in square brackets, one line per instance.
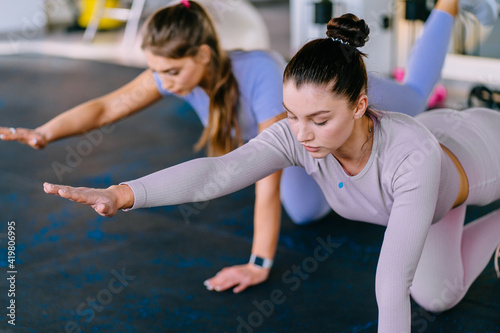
[240, 277]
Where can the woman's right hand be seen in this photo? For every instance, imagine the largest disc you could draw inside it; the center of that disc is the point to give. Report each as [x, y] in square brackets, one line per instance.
[102, 200]
[23, 135]
[105, 202]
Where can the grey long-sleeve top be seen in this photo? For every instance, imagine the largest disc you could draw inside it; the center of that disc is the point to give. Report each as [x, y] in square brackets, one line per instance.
[407, 184]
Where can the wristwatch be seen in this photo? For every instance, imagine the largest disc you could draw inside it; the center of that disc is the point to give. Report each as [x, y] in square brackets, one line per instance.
[260, 262]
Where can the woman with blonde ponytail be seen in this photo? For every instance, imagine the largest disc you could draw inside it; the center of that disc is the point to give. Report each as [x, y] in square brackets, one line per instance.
[192, 34]
[236, 94]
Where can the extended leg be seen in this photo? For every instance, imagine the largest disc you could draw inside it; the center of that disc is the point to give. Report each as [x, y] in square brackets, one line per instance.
[423, 70]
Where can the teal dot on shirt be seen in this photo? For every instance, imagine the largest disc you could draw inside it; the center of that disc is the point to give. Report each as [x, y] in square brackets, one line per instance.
[341, 185]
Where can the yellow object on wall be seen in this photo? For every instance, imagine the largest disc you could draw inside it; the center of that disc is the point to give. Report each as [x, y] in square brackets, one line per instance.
[86, 9]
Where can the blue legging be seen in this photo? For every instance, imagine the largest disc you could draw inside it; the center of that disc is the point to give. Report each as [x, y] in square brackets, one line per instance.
[301, 196]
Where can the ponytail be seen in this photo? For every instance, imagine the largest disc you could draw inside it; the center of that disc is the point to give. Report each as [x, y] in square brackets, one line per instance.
[178, 31]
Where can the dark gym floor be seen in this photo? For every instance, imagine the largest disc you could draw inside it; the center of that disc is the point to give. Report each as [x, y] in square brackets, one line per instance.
[143, 271]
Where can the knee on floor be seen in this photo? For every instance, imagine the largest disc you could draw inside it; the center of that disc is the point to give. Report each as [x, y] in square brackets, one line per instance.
[441, 299]
[302, 217]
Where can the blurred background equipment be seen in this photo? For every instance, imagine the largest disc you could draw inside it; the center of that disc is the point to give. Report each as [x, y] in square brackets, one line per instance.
[307, 19]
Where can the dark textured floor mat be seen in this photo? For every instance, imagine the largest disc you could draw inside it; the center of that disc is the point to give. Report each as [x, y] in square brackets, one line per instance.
[143, 271]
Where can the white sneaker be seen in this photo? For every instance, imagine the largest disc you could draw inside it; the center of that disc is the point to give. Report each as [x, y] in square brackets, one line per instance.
[486, 11]
[496, 260]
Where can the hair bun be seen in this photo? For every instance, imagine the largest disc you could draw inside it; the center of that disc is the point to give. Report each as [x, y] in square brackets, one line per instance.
[350, 29]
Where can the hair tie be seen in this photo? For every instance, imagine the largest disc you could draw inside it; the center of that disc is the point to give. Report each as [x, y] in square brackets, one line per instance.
[340, 40]
[186, 3]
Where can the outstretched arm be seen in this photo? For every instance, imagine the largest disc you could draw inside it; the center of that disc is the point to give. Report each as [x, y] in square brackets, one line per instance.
[267, 220]
[196, 180]
[266, 95]
[98, 112]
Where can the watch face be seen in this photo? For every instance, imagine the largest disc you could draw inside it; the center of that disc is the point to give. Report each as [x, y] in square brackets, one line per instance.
[259, 261]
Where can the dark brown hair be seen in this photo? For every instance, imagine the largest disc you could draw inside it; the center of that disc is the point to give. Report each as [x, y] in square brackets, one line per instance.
[178, 32]
[334, 61]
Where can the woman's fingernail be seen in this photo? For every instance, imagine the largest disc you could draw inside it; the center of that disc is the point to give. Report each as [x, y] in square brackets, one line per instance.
[2, 136]
[217, 288]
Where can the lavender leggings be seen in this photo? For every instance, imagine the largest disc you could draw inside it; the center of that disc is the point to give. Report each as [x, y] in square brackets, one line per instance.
[300, 194]
[454, 255]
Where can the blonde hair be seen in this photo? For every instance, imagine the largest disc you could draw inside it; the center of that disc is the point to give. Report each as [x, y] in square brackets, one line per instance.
[177, 32]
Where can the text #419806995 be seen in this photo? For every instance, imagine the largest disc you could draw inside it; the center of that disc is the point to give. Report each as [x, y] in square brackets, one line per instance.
[11, 272]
